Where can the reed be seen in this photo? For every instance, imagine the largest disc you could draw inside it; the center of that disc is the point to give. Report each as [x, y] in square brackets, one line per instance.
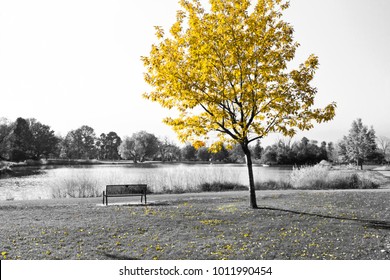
[321, 177]
[87, 182]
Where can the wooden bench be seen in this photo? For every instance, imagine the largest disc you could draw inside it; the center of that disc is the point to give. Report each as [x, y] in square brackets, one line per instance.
[124, 190]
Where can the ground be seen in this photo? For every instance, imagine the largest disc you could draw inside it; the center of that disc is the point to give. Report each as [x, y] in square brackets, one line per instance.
[290, 224]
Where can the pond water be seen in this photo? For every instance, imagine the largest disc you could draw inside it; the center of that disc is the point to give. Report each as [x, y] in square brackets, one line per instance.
[56, 182]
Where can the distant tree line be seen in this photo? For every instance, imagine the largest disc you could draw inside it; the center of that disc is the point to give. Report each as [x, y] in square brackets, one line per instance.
[29, 139]
[303, 152]
[26, 139]
[358, 147]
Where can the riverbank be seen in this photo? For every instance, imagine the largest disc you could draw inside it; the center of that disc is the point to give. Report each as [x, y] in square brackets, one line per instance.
[290, 224]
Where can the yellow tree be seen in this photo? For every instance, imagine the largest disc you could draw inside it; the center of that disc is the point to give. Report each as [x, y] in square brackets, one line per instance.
[226, 72]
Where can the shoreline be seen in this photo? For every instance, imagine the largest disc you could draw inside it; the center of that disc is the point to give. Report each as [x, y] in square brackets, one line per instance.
[171, 197]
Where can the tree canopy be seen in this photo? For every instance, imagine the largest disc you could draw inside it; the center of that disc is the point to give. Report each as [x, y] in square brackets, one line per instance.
[359, 145]
[44, 140]
[108, 145]
[139, 146]
[226, 71]
[80, 143]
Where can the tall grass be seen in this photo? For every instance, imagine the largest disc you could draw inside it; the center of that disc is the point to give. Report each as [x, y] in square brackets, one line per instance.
[188, 179]
[322, 177]
[78, 185]
[87, 183]
[181, 179]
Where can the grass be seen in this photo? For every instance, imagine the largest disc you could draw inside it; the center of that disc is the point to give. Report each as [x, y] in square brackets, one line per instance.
[291, 224]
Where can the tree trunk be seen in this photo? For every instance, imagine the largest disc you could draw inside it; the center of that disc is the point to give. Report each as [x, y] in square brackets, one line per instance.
[359, 164]
[252, 192]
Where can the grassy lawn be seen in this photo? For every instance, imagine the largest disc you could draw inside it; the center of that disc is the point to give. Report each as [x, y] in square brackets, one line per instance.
[317, 225]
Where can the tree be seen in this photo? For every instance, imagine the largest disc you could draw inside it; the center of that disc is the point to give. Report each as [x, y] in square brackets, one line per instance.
[384, 146]
[80, 143]
[139, 146]
[108, 146]
[168, 151]
[270, 155]
[188, 152]
[21, 141]
[257, 150]
[44, 141]
[283, 151]
[308, 152]
[6, 128]
[236, 154]
[359, 145]
[330, 152]
[226, 71]
[203, 154]
[299, 153]
[26, 139]
[126, 149]
[221, 155]
[323, 153]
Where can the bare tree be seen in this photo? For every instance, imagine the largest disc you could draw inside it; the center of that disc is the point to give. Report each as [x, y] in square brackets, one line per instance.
[383, 143]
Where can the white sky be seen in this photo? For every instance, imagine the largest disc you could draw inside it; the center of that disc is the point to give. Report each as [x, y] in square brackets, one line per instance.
[77, 62]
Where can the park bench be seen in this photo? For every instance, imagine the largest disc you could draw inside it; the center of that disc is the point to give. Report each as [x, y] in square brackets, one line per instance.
[124, 190]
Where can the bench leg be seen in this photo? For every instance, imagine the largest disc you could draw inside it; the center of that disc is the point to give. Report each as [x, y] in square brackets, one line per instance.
[142, 198]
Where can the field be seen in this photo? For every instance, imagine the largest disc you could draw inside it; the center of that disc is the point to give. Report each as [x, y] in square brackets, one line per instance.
[290, 224]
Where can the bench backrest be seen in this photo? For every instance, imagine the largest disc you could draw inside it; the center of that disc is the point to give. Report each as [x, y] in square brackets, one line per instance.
[125, 189]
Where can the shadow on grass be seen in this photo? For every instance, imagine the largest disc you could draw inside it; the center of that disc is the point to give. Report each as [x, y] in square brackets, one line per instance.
[119, 257]
[367, 222]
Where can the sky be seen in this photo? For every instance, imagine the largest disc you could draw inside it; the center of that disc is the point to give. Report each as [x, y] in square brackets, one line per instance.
[69, 63]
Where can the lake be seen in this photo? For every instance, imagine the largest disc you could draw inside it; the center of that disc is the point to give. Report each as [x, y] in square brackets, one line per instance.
[65, 181]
